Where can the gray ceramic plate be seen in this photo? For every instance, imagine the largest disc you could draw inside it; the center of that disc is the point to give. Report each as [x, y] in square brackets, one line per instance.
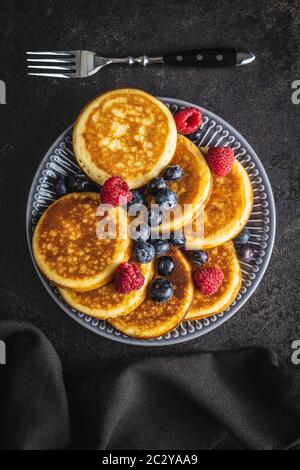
[214, 132]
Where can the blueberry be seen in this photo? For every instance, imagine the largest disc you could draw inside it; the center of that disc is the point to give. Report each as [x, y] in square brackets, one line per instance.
[61, 186]
[77, 183]
[137, 198]
[160, 290]
[165, 265]
[178, 239]
[144, 252]
[199, 256]
[143, 190]
[195, 136]
[154, 216]
[245, 253]
[161, 246]
[156, 185]
[166, 199]
[140, 233]
[90, 186]
[243, 237]
[173, 173]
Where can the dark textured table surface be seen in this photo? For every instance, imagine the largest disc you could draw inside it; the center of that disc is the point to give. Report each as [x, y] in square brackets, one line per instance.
[256, 100]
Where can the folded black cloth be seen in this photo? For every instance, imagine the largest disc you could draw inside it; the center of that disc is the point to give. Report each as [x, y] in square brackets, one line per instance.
[226, 400]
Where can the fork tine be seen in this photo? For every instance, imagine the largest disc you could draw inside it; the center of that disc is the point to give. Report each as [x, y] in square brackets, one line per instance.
[62, 61]
[54, 75]
[68, 53]
[50, 67]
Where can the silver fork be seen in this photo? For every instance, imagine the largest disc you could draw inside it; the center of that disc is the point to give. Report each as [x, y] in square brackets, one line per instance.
[82, 64]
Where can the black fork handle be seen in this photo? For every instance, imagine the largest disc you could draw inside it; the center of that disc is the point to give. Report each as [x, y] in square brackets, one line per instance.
[222, 57]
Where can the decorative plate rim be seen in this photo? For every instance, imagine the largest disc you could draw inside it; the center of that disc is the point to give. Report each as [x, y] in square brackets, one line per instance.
[221, 318]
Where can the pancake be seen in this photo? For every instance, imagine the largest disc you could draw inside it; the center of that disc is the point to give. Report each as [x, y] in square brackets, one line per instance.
[193, 189]
[105, 301]
[227, 210]
[127, 133]
[152, 319]
[223, 256]
[66, 246]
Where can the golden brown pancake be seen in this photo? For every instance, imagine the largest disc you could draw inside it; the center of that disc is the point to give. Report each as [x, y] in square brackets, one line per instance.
[127, 133]
[66, 246]
[223, 256]
[152, 319]
[227, 210]
[105, 301]
[193, 189]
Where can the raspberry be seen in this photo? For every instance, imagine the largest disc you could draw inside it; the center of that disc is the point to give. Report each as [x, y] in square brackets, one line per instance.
[188, 120]
[209, 280]
[220, 160]
[128, 277]
[115, 191]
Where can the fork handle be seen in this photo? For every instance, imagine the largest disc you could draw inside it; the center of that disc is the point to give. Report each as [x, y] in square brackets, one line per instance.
[221, 57]
[143, 60]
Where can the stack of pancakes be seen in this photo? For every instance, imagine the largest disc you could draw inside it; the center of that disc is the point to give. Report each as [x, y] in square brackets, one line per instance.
[129, 133]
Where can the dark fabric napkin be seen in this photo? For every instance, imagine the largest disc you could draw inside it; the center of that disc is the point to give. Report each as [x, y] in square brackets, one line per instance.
[227, 400]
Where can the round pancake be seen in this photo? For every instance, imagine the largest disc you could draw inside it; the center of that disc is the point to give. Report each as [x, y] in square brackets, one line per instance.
[66, 246]
[223, 256]
[152, 319]
[227, 210]
[193, 189]
[105, 301]
[127, 133]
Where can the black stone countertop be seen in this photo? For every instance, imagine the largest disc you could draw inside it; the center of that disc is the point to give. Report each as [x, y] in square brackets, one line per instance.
[256, 100]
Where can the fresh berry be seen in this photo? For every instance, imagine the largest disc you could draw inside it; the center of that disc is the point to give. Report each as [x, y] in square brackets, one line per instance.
[165, 265]
[115, 191]
[154, 216]
[90, 186]
[61, 186]
[77, 183]
[245, 253]
[178, 239]
[143, 190]
[195, 137]
[242, 237]
[128, 277]
[188, 120]
[140, 233]
[160, 290]
[166, 199]
[199, 256]
[137, 198]
[156, 185]
[173, 173]
[220, 160]
[209, 280]
[161, 246]
[144, 252]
